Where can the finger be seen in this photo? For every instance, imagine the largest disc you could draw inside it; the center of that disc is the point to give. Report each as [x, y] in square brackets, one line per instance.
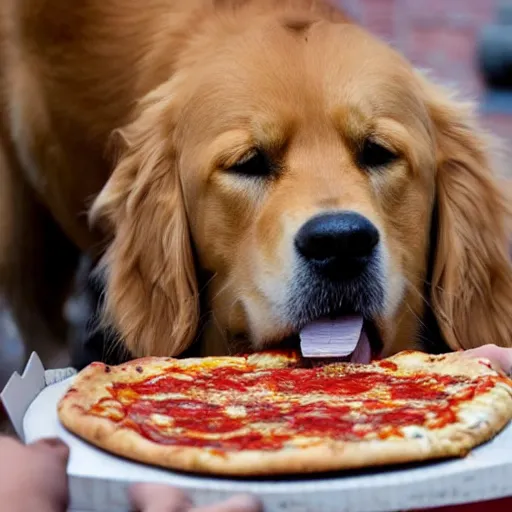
[499, 356]
[54, 445]
[241, 503]
[158, 498]
[51, 441]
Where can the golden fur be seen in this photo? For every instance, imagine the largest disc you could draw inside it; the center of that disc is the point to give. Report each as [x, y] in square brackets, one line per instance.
[184, 90]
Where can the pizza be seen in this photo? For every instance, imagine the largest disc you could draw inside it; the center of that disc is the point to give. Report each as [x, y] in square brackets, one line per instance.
[270, 413]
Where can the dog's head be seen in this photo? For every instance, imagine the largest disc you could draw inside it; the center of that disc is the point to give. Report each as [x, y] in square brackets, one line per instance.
[293, 168]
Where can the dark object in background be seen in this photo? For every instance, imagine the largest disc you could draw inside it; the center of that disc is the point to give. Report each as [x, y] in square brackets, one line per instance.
[89, 340]
[430, 336]
[495, 50]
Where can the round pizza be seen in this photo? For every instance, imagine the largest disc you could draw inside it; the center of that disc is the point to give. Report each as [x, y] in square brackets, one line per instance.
[269, 413]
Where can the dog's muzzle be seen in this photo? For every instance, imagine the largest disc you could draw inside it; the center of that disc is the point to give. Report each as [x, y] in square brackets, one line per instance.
[338, 279]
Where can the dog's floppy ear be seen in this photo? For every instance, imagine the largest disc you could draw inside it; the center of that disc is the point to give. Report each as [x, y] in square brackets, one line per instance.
[472, 274]
[151, 297]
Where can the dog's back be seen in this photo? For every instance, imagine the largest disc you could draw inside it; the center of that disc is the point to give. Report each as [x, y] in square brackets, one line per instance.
[72, 72]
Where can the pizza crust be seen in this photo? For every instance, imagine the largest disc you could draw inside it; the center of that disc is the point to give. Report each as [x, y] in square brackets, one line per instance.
[481, 419]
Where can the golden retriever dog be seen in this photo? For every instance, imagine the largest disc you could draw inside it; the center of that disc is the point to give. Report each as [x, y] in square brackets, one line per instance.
[240, 170]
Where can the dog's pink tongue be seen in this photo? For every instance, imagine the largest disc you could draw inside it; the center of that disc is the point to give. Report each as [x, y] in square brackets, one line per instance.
[343, 337]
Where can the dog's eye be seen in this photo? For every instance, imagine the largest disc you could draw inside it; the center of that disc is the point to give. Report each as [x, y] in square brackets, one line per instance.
[373, 155]
[254, 163]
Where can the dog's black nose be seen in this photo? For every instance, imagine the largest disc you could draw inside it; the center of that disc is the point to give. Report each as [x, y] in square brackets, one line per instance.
[337, 243]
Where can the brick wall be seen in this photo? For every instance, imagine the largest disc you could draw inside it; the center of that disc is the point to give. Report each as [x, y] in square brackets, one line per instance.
[439, 35]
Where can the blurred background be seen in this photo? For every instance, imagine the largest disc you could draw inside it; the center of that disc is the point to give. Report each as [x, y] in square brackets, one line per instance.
[465, 43]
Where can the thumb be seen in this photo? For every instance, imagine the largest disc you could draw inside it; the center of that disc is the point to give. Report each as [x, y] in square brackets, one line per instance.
[499, 356]
[54, 446]
[239, 503]
[158, 498]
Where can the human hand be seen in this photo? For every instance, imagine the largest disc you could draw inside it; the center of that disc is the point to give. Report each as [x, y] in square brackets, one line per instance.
[33, 476]
[163, 498]
[500, 357]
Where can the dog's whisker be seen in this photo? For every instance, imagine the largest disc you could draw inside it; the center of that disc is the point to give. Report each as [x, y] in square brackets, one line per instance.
[206, 284]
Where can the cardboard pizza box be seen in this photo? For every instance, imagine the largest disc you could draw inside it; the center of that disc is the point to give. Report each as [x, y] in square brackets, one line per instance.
[98, 481]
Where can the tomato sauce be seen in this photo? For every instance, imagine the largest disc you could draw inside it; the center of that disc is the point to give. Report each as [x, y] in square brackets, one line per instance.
[265, 412]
